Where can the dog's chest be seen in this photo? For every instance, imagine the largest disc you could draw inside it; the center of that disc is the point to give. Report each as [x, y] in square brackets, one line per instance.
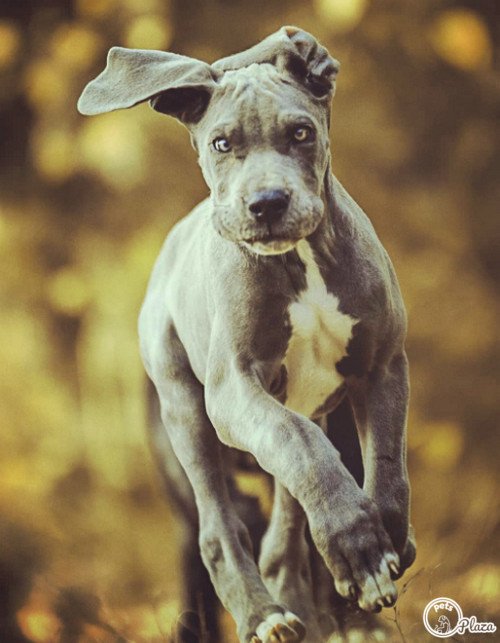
[319, 339]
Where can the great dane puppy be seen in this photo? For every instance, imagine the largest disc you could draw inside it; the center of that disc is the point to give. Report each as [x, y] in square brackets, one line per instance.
[269, 304]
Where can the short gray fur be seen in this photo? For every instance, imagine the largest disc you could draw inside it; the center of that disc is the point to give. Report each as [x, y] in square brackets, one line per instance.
[215, 328]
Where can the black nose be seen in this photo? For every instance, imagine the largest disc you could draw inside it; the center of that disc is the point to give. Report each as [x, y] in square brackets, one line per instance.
[270, 205]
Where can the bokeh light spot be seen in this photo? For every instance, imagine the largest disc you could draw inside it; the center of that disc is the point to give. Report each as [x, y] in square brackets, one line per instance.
[340, 15]
[68, 292]
[74, 46]
[141, 7]
[54, 154]
[94, 8]
[149, 32]
[483, 582]
[112, 145]
[38, 625]
[44, 83]
[10, 41]
[443, 447]
[461, 38]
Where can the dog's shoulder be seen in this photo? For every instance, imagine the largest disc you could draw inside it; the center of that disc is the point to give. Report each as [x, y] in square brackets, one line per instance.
[364, 273]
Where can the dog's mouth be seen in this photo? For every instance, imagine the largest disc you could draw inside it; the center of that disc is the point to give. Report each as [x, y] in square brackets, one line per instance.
[270, 245]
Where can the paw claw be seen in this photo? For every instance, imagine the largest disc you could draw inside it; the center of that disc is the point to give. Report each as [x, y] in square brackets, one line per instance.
[389, 600]
[296, 624]
[282, 633]
[394, 569]
[377, 589]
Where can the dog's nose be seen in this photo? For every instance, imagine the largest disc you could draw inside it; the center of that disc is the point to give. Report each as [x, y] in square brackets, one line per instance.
[270, 205]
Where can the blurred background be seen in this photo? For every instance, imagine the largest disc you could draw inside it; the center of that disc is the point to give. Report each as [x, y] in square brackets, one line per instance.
[89, 547]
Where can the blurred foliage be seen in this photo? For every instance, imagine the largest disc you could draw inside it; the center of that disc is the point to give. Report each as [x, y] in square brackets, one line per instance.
[89, 547]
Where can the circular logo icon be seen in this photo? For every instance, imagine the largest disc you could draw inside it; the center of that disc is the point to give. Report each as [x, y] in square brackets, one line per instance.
[442, 616]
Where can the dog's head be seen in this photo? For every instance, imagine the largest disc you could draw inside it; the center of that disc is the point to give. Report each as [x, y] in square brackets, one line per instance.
[258, 119]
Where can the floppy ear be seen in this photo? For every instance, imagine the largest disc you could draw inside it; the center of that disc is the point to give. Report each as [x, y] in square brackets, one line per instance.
[295, 51]
[174, 84]
[311, 63]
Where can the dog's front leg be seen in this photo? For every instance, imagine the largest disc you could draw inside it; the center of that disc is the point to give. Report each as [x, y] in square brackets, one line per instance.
[344, 523]
[380, 407]
[225, 543]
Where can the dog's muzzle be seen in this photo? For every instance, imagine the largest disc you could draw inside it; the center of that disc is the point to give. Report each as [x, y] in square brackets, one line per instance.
[268, 207]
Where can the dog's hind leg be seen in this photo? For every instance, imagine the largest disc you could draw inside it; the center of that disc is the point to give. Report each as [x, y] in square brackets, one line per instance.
[248, 508]
[341, 430]
[284, 560]
[200, 619]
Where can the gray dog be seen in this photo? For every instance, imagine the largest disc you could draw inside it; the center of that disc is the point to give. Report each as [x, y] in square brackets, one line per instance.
[269, 305]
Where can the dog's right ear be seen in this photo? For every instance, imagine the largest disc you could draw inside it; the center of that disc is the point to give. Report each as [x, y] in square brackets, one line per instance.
[174, 84]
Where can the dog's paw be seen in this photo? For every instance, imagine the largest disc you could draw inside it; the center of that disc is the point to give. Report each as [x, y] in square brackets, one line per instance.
[360, 556]
[279, 628]
[371, 587]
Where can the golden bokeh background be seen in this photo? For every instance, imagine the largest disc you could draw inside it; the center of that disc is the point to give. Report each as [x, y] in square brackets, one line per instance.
[89, 547]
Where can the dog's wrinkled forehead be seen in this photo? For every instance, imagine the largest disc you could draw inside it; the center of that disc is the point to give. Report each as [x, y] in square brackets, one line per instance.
[257, 96]
[255, 75]
[251, 88]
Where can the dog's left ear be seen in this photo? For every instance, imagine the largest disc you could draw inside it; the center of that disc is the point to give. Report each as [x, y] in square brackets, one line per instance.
[176, 85]
[293, 50]
[311, 63]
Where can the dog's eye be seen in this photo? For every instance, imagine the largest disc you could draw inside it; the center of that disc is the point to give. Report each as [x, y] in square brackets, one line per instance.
[303, 133]
[221, 144]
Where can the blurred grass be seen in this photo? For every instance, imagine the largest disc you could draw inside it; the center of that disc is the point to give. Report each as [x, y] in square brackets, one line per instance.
[89, 547]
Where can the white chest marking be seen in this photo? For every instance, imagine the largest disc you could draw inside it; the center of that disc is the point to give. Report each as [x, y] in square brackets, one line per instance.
[320, 334]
